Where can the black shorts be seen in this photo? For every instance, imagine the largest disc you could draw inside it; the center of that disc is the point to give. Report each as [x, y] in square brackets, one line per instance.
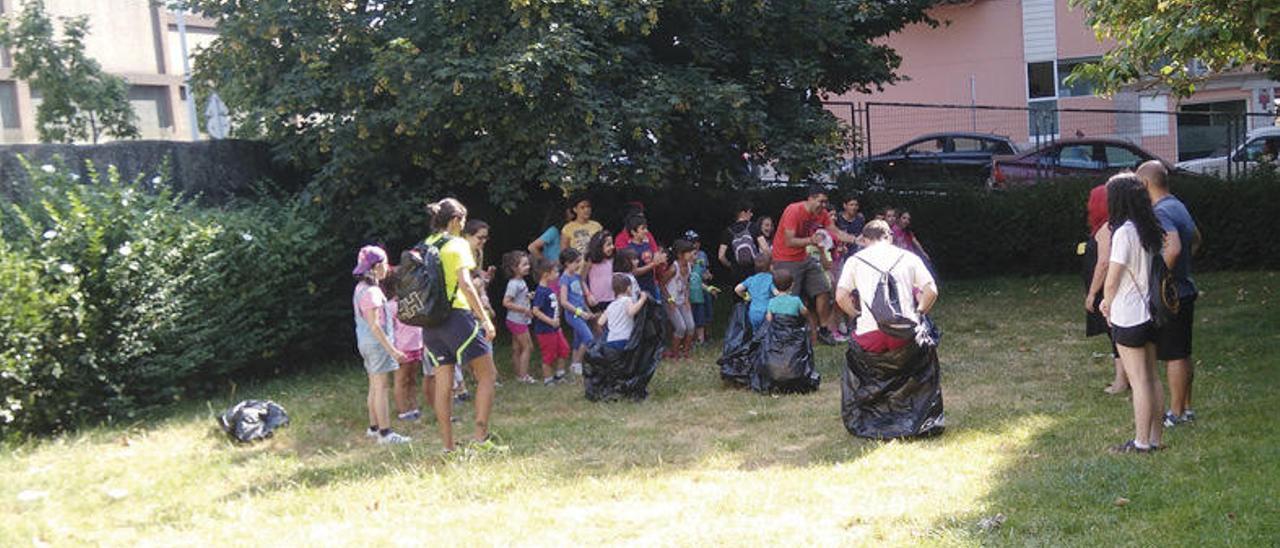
[456, 341]
[1173, 340]
[1134, 337]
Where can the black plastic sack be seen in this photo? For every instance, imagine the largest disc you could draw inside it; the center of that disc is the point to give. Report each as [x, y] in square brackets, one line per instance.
[893, 394]
[738, 355]
[611, 374]
[784, 361]
[253, 420]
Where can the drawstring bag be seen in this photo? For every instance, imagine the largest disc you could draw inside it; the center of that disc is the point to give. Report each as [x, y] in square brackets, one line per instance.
[253, 420]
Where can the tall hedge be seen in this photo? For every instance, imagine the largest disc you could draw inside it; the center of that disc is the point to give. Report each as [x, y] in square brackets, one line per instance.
[114, 299]
[1033, 230]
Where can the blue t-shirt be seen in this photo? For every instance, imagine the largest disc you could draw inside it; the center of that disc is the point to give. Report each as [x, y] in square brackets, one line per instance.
[648, 282]
[785, 304]
[551, 244]
[574, 284]
[853, 228]
[1173, 216]
[544, 299]
[760, 288]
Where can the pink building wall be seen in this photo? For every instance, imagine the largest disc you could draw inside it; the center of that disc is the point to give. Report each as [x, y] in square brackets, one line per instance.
[976, 56]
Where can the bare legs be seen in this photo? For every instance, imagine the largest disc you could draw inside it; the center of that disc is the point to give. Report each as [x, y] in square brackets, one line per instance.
[486, 376]
[379, 410]
[521, 351]
[1181, 374]
[405, 379]
[1148, 397]
[1121, 382]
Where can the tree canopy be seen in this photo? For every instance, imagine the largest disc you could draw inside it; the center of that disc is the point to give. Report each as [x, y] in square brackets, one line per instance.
[79, 101]
[516, 94]
[1179, 43]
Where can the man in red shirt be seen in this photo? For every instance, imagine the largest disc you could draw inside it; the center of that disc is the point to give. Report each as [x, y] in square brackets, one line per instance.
[797, 229]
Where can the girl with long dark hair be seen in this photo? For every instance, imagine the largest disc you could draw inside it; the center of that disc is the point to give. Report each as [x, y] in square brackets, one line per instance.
[1136, 238]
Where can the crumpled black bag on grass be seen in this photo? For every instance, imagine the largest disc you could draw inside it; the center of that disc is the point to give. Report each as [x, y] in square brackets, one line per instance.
[738, 355]
[894, 394]
[253, 420]
[784, 360]
[611, 374]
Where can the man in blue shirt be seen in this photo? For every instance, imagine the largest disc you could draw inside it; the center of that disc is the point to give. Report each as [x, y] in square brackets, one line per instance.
[1173, 341]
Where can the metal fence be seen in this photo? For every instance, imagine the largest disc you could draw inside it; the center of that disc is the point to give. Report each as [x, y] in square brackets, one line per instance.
[1175, 136]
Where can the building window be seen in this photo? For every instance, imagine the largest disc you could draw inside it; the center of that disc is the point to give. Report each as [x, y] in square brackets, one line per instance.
[1042, 99]
[9, 106]
[1041, 82]
[1042, 118]
[1080, 88]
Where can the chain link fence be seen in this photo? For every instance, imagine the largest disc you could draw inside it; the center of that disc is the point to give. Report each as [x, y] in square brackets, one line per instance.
[1224, 144]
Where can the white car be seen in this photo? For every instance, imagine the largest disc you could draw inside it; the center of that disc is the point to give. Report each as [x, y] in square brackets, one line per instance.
[1260, 144]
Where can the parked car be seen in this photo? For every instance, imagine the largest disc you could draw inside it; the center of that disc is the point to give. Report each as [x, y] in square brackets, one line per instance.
[934, 159]
[1095, 157]
[1260, 145]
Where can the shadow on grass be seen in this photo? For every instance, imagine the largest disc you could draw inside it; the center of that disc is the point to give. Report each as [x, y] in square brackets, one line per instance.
[1216, 483]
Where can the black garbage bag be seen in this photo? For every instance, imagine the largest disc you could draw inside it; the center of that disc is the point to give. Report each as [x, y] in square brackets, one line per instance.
[253, 420]
[738, 357]
[611, 374]
[784, 361]
[894, 394]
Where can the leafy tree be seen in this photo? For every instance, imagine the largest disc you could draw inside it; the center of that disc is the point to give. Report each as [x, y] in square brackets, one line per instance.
[520, 94]
[1163, 41]
[79, 100]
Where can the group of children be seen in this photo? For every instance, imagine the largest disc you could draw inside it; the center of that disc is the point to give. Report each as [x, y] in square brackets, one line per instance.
[599, 293]
[585, 291]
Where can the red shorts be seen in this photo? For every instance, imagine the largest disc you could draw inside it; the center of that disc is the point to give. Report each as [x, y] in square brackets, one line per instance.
[517, 328]
[877, 341]
[553, 346]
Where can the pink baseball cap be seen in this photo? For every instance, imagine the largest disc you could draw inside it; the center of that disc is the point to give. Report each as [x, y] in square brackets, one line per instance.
[368, 256]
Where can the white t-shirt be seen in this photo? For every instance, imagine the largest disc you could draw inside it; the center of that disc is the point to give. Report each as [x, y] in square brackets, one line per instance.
[910, 273]
[1129, 307]
[619, 323]
[518, 292]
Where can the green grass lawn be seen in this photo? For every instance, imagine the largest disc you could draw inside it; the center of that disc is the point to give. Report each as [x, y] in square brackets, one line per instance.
[698, 463]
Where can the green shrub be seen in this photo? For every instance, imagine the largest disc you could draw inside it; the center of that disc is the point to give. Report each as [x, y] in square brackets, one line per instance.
[115, 298]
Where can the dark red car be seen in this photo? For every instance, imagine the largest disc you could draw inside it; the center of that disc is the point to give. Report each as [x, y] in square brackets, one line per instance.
[1096, 158]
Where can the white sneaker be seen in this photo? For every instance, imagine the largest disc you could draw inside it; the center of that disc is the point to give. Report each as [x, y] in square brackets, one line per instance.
[410, 416]
[576, 368]
[393, 439]
[370, 433]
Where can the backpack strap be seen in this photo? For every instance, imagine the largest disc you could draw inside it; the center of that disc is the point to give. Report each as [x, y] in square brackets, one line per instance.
[438, 241]
[882, 272]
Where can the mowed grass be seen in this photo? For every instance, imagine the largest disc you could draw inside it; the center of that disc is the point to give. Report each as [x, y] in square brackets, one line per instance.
[703, 464]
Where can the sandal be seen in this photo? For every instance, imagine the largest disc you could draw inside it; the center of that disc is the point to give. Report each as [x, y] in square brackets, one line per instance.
[1112, 390]
[1127, 448]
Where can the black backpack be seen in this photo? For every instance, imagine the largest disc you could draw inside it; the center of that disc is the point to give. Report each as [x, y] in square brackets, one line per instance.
[744, 246]
[420, 287]
[886, 307]
[1162, 293]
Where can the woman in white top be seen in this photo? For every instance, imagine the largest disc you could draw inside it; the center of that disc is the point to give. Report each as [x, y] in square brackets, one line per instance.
[1136, 237]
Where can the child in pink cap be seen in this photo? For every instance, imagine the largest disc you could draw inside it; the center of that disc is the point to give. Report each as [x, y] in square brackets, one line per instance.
[374, 338]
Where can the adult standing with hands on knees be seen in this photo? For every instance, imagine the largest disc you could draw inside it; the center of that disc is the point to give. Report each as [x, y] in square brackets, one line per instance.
[466, 335]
